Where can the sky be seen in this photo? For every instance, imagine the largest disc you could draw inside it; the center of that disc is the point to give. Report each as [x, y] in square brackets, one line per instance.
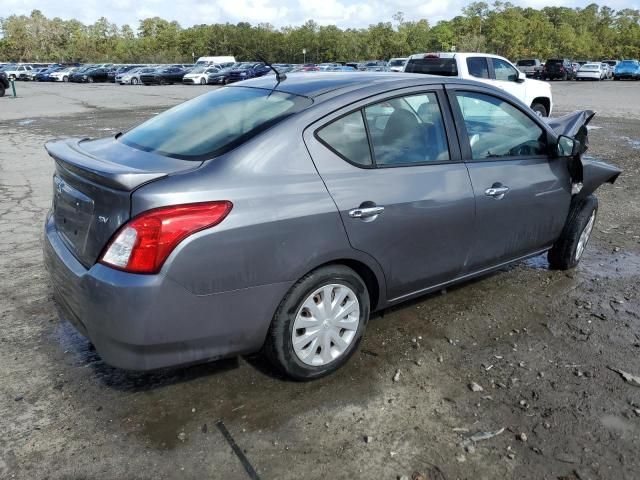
[344, 13]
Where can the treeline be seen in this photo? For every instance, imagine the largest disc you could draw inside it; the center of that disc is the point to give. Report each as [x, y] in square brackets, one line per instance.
[592, 32]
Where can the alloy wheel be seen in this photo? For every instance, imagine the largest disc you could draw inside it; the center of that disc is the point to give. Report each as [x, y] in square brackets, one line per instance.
[326, 324]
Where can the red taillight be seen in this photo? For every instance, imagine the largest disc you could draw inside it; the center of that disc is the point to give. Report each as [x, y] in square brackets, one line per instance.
[144, 243]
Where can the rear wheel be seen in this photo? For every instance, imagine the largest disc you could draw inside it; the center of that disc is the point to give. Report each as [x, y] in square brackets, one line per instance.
[319, 323]
[540, 109]
[568, 249]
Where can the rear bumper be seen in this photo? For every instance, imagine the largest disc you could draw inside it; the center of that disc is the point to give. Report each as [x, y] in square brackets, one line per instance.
[144, 322]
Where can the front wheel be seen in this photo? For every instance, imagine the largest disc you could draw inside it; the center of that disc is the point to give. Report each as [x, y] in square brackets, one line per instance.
[319, 323]
[134, 81]
[540, 109]
[203, 81]
[65, 79]
[568, 249]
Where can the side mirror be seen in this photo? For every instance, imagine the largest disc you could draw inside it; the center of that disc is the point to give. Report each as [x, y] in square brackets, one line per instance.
[567, 146]
[521, 77]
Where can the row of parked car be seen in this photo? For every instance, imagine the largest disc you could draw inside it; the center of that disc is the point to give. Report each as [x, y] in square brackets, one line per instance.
[565, 69]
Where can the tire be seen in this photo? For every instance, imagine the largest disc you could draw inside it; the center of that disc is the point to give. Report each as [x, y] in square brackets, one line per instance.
[203, 81]
[565, 253]
[2, 90]
[134, 81]
[565, 77]
[90, 80]
[65, 79]
[279, 344]
[540, 109]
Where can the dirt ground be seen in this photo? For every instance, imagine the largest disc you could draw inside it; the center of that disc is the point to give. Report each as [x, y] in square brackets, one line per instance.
[540, 343]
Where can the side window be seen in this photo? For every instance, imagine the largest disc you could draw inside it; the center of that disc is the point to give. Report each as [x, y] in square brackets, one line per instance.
[478, 67]
[504, 71]
[347, 136]
[407, 130]
[497, 129]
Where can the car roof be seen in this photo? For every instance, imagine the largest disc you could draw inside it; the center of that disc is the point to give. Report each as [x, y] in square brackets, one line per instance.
[313, 85]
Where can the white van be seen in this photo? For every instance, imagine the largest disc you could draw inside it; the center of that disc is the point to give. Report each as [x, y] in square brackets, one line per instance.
[215, 60]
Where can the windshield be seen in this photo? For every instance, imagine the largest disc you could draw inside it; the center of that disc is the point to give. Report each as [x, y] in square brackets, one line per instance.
[628, 63]
[214, 123]
[199, 69]
[396, 63]
[433, 66]
[526, 63]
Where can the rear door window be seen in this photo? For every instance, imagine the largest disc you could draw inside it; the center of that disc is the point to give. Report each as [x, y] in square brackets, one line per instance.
[347, 136]
[407, 130]
[478, 67]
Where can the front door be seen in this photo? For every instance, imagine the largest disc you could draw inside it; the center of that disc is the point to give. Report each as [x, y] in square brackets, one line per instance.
[522, 195]
[395, 174]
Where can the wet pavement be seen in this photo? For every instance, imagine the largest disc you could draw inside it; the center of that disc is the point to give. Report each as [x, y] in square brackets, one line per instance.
[540, 343]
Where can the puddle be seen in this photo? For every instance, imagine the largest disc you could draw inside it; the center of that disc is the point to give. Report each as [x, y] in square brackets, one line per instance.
[633, 143]
[539, 263]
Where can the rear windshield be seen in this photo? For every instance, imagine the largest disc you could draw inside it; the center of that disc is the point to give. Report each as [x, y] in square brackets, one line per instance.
[433, 66]
[396, 63]
[526, 63]
[214, 123]
[628, 63]
[554, 62]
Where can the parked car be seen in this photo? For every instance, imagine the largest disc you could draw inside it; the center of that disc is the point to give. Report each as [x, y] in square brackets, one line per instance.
[132, 77]
[45, 75]
[122, 69]
[627, 69]
[489, 69]
[180, 240]
[163, 76]
[77, 75]
[199, 75]
[31, 75]
[62, 75]
[4, 83]
[558, 68]
[220, 77]
[246, 71]
[374, 66]
[612, 63]
[92, 75]
[341, 68]
[396, 64]
[531, 67]
[17, 72]
[608, 71]
[591, 71]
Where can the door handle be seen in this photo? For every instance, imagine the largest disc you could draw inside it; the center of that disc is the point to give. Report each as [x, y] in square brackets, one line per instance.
[497, 192]
[365, 212]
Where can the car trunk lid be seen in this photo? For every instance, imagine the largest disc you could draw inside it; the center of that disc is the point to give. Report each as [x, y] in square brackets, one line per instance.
[93, 182]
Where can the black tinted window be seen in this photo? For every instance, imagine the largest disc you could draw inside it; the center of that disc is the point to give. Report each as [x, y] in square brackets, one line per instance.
[497, 129]
[433, 66]
[478, 67]
[348, 137]
[214, 123]
[407, 130]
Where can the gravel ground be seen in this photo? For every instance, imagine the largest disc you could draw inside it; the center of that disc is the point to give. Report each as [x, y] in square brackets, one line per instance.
[540, 343]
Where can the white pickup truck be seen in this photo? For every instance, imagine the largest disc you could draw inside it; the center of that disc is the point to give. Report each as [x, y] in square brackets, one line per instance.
[487, 68]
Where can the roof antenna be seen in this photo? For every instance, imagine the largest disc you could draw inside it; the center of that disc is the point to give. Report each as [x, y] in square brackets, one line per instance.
[279, 76]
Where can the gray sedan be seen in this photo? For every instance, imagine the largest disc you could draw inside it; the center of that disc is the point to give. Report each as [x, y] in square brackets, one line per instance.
[275, 216]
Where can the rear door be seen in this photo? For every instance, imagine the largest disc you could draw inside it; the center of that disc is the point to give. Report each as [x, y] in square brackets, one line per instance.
[522, 195]
[395, 174]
